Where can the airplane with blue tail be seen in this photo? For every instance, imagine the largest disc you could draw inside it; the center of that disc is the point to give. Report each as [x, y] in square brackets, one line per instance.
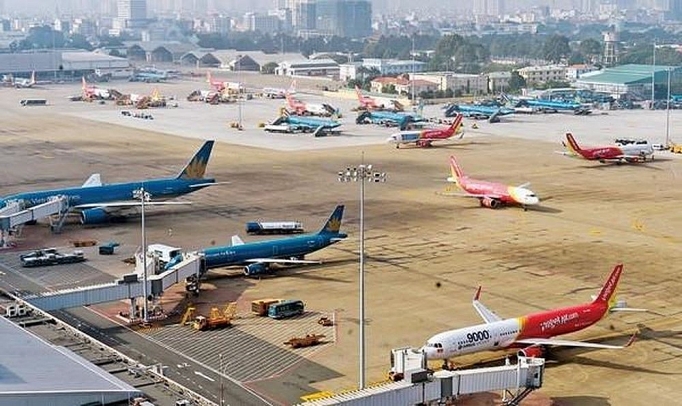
[99, 203]
[387, 118]
[554, 106]
[257, 257]
[477, 111]
[149, 76]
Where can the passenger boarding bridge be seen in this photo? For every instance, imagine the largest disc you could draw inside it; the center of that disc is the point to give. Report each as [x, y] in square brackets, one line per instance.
[13, 215]
[131, 286]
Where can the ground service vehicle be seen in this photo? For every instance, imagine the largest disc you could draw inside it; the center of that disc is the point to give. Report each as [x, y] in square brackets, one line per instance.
[274, 227]
[34, 102]
[286, 308]
[260, 307]
[216, 319]
[50, 256]
[307, 341]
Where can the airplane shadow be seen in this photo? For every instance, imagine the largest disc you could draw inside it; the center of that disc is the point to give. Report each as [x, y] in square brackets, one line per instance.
[572, 354]
[606, 165]
[545, 209]
[580, 400]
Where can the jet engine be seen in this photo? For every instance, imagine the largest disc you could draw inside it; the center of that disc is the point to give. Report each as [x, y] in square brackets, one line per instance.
[490, 202]
[255, 269]
[532, 352]
[94, 216]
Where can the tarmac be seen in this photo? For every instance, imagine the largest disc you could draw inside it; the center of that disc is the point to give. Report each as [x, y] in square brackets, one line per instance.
[425, 253]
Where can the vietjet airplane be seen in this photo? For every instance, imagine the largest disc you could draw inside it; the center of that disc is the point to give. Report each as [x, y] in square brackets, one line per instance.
[532, 332]
[278, 93]
[373, 103]
[94, 92]
[491, 194]
[302, 108]
[220, 85]
[631, 153]
[424, 137]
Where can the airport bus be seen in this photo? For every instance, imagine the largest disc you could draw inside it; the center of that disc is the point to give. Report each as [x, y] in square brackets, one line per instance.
[286, 308]
[34, 102]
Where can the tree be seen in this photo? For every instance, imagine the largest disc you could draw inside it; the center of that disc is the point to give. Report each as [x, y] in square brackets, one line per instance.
[516, 82]
[269, 68]
[556, 48]
[591, 49]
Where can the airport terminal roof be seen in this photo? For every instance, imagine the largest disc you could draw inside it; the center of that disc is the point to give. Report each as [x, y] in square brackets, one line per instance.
[30, 365]
[627, 74]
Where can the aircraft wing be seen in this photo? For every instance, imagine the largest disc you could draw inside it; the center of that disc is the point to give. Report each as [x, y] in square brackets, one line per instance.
[281, 261]
[486, 314]
[114, 205]
[570, 343]
[208, 184]
[477, 196]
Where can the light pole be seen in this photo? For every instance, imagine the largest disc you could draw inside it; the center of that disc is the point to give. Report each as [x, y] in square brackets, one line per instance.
[362, 173]
[414, 69]
[239, 97]
[653, 77]
[667, 115]
[143, 196]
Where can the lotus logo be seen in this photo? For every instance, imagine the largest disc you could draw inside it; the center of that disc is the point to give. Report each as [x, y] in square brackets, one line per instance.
[333, 226]
[195, 170]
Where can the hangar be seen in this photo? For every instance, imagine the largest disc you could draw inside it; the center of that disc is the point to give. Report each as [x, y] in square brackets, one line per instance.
[58, 64]
[629, 79]
[35, 372]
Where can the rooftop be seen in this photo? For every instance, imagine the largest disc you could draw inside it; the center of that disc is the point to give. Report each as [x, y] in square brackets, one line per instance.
[29, 364]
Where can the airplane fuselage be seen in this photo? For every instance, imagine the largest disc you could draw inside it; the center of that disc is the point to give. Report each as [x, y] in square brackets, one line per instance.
[505, 194]
[616, 153]
[283, 248]
[159, 189]
[505, 333]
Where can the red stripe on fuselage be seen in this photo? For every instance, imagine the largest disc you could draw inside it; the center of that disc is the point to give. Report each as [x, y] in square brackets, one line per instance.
[566, 320]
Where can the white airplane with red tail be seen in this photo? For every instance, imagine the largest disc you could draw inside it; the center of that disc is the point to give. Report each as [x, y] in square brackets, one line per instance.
[425, 137]
[93, 92]
[221, 86]
[631, 153]
[491, 194]
[532, 333]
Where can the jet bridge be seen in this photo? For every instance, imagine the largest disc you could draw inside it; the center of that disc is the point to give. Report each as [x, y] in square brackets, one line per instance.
[418, 386]
[129, 287]
[14, 215]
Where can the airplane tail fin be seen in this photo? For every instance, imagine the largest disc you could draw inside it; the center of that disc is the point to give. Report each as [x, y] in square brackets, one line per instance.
[457, 123]
[85, 84]
[572, 145]
[196, 167]
[33, 78]
[292, 87]
[455, 170]
[607, 293]
[359, 93]
[333, 225]
[209, 79]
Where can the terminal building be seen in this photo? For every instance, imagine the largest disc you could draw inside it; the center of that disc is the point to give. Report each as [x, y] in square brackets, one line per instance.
[58, 65]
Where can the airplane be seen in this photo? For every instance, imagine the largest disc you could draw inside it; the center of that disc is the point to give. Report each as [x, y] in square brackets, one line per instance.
[292, 123]
[554, 106]
[375, 103]
[532, 333]
[148, 77]
[387, 118]
[302, 108]
[25, 82]
[98, 202]
[425, 137]
[278, 93]
[93, 92]
[257, 257]
[491, 194]
[222, 86]
[477, 111]
[630, 153]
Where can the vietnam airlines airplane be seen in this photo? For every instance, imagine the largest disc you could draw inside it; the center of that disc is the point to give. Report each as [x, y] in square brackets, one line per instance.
[98, 202]
[630, 153]
[491, 194]
[256, 257]
[533, 332]
[425, 137]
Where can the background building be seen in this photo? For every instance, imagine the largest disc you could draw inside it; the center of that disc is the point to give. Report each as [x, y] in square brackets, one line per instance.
[131, 14]
[345, 18]
[303, 14]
